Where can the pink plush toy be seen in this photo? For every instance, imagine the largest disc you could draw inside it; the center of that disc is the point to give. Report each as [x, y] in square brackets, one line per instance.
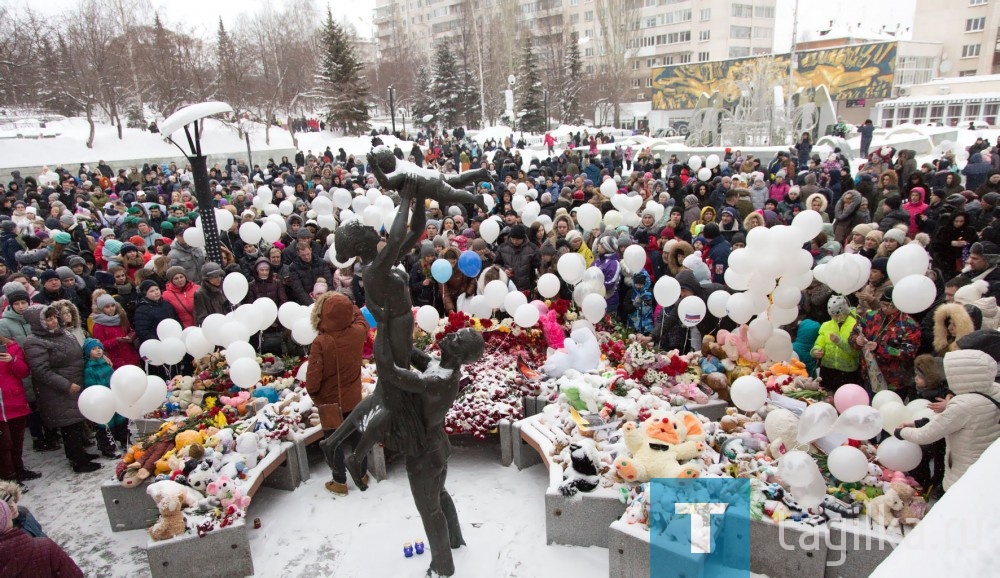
[740, 344]
[893, 476]
[554, 334]
[237, 400]
[228, 494]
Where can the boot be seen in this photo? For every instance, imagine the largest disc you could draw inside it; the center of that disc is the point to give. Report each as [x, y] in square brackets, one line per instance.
[354, 468]
[337, 488]
[26, 475]
[42, 445]
[86, 467]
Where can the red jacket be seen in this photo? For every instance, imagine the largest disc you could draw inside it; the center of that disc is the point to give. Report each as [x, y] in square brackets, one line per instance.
[22, 556]
[13, 399]
[119, 352]
[334, 372]
[182, 300]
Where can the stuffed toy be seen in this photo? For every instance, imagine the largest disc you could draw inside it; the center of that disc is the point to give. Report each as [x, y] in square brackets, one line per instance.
[737, 347]
[202, 476]
[718, 383]
[553, 332]
[882, 509]
[662, 446]
[580, 352]
[171, 521]
[782, 428]
[224, 489]
[247, 446]
[267, 392]
[238, 401]
[583, 472]
[188, 437]
[188, 496]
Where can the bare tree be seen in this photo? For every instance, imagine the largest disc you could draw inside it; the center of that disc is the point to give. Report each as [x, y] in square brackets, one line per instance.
[124, 17]
[618, 26]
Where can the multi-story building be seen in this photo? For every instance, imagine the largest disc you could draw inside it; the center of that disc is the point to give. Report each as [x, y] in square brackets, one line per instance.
[969, 33]
[665, 31]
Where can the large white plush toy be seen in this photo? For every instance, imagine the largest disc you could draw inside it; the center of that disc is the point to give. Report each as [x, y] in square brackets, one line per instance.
[581, 352]
[665, 445]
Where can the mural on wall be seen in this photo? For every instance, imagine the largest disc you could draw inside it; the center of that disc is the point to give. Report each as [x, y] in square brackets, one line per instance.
[849, 72]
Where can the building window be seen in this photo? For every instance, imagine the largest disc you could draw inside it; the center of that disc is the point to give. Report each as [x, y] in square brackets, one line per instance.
[977, 2]
[635, 65]
[649, 82]
[650, 3]
[650, 62]
[703, 57]
[677, 16]
[588, 52]
[742, 10]
[990, 113]
[649, 22]
[761, 32]
[937, 113]
[966, 73]
[574, 18]
[588, 33]
[589, 69]
[913, 70]
[685, 58]
[588, 16]
[706, 14]
[738, 51]
[954, 114]
[739, 32]
[763, 11]
[704, 35]
[635, 83]
[574, 2]
[668, 60]
[675, 37]
[970, 51]
[975, 24]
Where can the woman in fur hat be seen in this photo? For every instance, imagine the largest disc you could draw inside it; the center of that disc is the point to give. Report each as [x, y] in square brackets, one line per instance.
[817, 202]
[951, 322]
[674, 253]
[847, 215]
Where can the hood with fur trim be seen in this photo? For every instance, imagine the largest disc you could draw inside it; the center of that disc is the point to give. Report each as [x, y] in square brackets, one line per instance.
[752, 220]
[954, 313]
[678, 252]
[821, 197]
[333, 312]
[932, 370]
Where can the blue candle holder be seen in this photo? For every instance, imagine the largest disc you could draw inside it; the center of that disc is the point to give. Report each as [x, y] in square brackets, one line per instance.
[419, 547]
[408, 550]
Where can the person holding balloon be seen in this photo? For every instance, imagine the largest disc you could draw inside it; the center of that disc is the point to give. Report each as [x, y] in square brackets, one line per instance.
[454, 283]
[97, 370]
[888, 340]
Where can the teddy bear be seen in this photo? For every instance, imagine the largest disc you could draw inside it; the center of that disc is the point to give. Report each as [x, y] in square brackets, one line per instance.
[737, 347]
[581, 352]
[583, 471]
[225, 490]
[782, 428]
[882, 509]
[662, 446]
[171, 521]
[188, 437]
[163, 488]
[718, 383]
[202, 476]
[247, 445]
[238, 401]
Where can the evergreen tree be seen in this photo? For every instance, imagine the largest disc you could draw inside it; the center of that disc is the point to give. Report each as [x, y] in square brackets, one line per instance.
[227, 63]
[423, 102]
[470, 94]
[569, 94]
[340, 84]
[529, 91]
[446, 87]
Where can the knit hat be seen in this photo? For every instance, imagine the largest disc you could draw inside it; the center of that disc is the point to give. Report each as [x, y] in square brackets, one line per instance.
[874, 235]
[175, 270]
[739, 238]
[89, 344]
[688, 281]
[11, 286]
[862, 229]
[66, 220]
[880, 264]
[113, 246]
[128, 248]
[931, 369]
[972, 292]
[76, 260]
[886, 295]
[956, 200]
[105, 300]
[61, 237]
[209, 270]
[985, 340]
[47, 275]
[610, 243]
[17, 295]
[8, 226]
[837, 305]
[65, 273]
[137, 240]
[690, 200]
[991, 199]
[519, 231]
[146, 286]
[104, 279]
[667, 233]
[895, 235]
[426, 249]
[166, 226]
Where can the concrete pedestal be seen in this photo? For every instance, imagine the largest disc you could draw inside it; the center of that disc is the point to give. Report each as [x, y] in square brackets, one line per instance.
[222, 553]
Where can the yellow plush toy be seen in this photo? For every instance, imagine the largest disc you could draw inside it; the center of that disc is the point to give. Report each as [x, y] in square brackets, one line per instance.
[188, 437]
[662, 447]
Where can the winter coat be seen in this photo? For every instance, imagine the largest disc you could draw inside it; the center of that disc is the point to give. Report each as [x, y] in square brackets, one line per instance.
[805, 339]
[611, 268]
[148, 315]
[975, 171]
[188, 258]
[953, 313]
[13, 326]
[970, 423]
[840, 356]
[779, 190]
[302, 276]
[56, 362]
[523, 260]
[183, 301]
[272, 288]
[334, 372]
[9, 248]
[119, 352]
[718, 258]
[13, 396]
[208, 300]
[758, 195]
[897, 340]
[23, 556]
[915, 210]
[641, 318]
[893, 218]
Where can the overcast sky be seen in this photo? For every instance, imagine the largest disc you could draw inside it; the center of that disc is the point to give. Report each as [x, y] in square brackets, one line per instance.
[201, 15]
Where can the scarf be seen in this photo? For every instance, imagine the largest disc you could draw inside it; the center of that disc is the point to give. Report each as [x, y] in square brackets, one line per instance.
[124, 289]
[107, 320]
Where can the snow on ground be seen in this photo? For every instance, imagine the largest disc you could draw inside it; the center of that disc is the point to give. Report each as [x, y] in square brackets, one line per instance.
[309, 532]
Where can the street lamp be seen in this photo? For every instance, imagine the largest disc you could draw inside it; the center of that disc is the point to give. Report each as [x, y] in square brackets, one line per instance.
[193, 118]
[392, 107]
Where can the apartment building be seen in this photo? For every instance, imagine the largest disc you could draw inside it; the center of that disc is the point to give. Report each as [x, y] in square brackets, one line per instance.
[968, 31]
[665, 31]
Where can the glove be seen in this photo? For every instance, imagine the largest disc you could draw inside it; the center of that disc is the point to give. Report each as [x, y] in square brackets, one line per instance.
[892, 351]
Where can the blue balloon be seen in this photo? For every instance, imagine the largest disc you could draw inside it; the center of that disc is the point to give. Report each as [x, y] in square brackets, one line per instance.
[368, 316]
[470, 263]
[441, 271]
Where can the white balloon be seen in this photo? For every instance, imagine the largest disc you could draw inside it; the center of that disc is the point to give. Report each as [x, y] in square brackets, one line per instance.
[739, 308]
[489, 230]
[427, 318]
[288, 313]
[270, 232]
[244, 372]
[899, 455]
[169, 328]
[518, 203]
[712, 161]
[691, 310]
[612, 219]
[232, 331]
[761, 284]
[634, 258]
[778, 347]
[917, 406]
[197, 344]
[704, 174]
[526, 315]
[760, 329]
[303, 332]
[513, 301]
[239, 350]
[666, 290]
[223, 220]
[479, 307]
[736, 280]
[97, 403]
[127, 383]
[808, 224]
[797, 468]
[587, 216]
[742, 261]
[341, 198]
[250, 232]
[608, 188]
[267, 311]
[717, 303]
[893, 414]
[859, 422]
[885, 396]
[154, 395]
[286, 207]
[748, 392]
[914, 294]
[548, 285]
[571, 267]
[815, 422]
[848, 464]
[172, 350]
[521, 189]
[779, 316]
[786, 296]
[372, 217]
[594, 307]
[907, 260]
[694, 162]
[235, 287]
[194, 237]
[495, 291]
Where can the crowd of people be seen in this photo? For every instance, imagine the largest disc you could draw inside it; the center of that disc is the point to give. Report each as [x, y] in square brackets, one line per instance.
[92, 260]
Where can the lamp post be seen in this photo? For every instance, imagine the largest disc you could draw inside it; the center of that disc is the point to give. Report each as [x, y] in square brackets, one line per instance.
[192, 119]
[392, 107]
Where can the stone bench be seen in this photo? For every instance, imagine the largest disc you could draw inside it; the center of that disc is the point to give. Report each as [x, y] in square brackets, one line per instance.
[309, 440]
[221, 553]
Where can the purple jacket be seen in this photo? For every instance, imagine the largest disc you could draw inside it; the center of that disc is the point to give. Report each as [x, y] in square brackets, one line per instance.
[609, 265]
